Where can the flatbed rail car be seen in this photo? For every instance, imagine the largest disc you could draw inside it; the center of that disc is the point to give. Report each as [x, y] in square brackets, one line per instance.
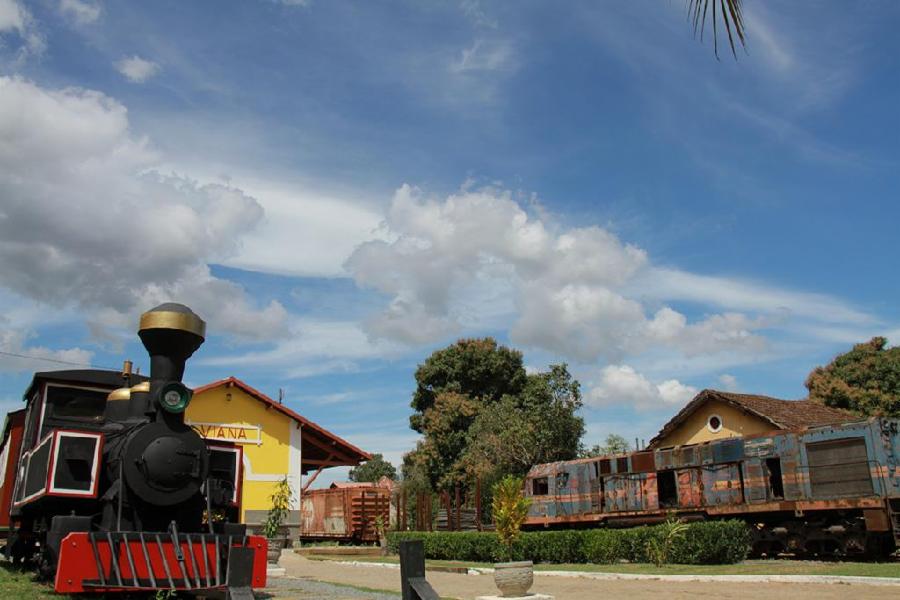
[825, 491]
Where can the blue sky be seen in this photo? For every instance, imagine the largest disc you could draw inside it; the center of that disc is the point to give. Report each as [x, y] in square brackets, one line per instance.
[340, 188]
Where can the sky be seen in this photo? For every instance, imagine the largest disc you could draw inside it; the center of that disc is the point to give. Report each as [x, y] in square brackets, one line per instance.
[341, 188]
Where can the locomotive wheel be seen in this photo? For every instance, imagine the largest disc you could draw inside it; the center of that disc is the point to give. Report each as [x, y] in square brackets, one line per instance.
[46, 566]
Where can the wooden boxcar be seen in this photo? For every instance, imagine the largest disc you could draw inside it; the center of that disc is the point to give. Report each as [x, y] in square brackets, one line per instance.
[832, 490]
[344, 513]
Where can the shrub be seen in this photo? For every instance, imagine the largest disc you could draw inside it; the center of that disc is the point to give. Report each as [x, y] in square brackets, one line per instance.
[602, 546]
[553, 546]
[713, 543]
[709, 542]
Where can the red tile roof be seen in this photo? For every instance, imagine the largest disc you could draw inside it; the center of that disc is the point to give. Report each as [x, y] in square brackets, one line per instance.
[782, 414]
[308, 426]
[352, 484]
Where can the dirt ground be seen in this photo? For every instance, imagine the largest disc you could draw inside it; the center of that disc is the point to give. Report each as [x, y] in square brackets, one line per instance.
[467, 587]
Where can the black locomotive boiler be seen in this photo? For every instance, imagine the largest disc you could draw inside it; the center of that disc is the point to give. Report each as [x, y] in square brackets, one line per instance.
[113, 491]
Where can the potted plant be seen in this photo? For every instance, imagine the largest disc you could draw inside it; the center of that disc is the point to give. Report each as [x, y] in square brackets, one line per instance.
[281, 504]
[510, 509]
[381, 532]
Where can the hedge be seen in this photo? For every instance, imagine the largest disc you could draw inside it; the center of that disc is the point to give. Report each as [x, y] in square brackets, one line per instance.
[703, 543]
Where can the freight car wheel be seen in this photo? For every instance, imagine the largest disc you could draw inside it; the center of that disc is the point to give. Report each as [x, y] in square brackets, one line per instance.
[853, 545]
[879, 546]
[796, 544]
[761, 549]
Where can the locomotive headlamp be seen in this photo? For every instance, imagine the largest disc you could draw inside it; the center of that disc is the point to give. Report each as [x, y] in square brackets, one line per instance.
[174, 397]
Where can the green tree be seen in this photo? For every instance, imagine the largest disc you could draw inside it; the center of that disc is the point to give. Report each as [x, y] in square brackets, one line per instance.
[477, 368]
[614, 444]
[551, 401]
[521, 419]
[539, 425]
[865, 380]
[446, 425]
[373, 470]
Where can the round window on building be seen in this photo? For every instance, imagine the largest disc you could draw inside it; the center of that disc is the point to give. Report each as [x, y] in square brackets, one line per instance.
[714, 423]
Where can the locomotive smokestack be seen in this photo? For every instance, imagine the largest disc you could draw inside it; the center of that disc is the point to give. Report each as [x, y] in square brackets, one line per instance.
[171, 333]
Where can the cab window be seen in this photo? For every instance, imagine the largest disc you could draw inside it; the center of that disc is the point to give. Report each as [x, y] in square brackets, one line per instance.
[75, 404]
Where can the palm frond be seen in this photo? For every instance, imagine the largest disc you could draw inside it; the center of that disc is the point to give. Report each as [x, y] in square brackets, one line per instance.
[731, 14]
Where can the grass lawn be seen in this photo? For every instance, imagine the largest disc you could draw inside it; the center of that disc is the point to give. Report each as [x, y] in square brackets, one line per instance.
[22, 586]
[750, 567]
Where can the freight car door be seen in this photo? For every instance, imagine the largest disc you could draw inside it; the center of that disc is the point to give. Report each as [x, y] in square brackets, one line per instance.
[690, 488]
[722, 484]
[755, 480]
[839, 468]
[615, 490]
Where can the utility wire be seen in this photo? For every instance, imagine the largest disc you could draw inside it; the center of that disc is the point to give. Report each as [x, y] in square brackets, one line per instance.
[57, 361]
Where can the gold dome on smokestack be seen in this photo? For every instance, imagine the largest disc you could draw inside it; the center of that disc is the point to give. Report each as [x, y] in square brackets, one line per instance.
[173, 316]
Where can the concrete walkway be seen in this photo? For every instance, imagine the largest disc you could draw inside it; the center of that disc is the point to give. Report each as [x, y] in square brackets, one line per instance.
[592, 586]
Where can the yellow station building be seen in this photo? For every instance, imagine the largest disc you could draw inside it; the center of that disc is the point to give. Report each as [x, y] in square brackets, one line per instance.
[276, 441]
[715, 415]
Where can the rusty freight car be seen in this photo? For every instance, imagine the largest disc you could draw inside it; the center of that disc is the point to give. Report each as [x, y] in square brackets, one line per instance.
[344, 513]
[824, 491]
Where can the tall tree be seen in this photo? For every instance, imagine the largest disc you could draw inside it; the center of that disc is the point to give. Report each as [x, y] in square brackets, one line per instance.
[446, 426]
[373, 470]
[479, 411]
[865, 380]
[478, 368]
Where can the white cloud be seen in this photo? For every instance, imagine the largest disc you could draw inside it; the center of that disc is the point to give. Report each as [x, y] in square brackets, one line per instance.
[137, 69]
[12, 16]
[14, 342]
[474, 11]
[766, 39]
[85, 220]
[621, 385]
[15, 19]
[304, 232]
[738, 294]
[729, 382]
[569, 287]
[81, 12]
[312, 348]
[485, 55]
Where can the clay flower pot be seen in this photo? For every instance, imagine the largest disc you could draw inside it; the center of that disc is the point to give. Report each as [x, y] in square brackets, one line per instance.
[514, 578]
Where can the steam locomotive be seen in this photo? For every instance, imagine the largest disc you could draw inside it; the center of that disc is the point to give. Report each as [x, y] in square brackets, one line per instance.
[113, 492]
[831, 490]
